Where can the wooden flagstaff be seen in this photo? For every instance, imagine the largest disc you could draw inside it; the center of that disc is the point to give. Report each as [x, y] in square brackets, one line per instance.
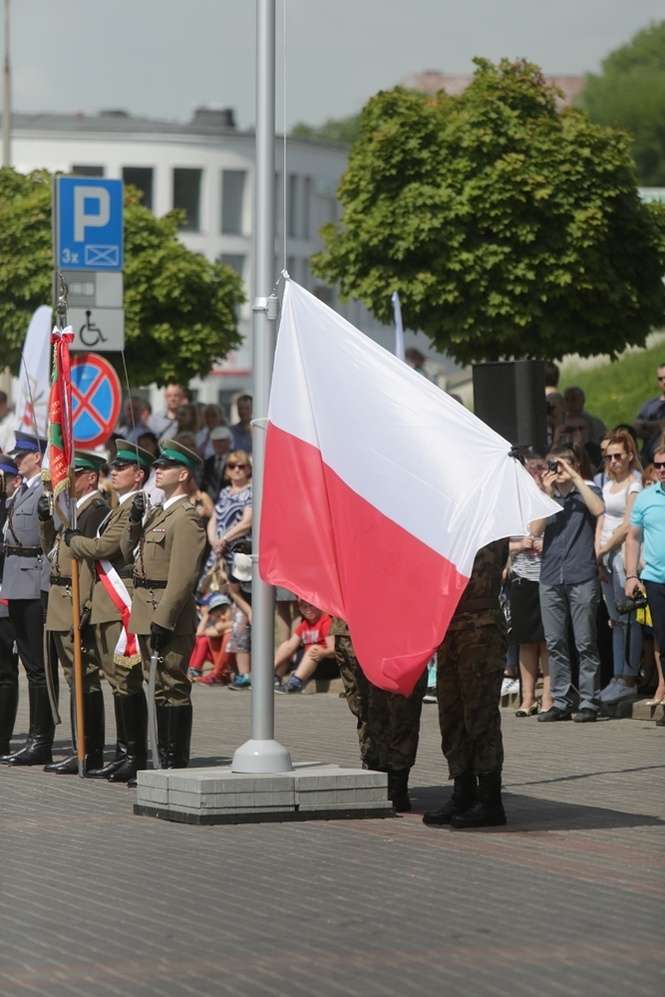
[77, 677]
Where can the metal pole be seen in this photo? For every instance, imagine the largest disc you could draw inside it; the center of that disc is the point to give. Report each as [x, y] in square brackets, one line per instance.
[263, 753]
[7, 97]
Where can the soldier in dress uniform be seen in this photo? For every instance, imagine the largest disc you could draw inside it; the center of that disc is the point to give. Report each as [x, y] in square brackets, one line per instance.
[170, 543]
[9, 482]
[470, 665]
[91, 510]
[109, 612]
[388, 724]
[25, 583]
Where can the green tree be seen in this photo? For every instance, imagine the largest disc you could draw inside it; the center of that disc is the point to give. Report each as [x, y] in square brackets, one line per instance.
[630, 94]
[509, 228]
[180, 309]
[340, 131]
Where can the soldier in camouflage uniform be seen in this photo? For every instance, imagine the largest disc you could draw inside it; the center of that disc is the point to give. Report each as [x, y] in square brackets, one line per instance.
[470, 665]
[388, 724]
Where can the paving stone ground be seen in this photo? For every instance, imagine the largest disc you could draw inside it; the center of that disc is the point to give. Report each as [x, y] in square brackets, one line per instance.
[568, 899]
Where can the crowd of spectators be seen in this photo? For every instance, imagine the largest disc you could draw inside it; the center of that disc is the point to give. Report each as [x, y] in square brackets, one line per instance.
[586, 588]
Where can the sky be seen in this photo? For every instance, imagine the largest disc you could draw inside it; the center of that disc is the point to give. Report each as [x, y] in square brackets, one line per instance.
[163, 58]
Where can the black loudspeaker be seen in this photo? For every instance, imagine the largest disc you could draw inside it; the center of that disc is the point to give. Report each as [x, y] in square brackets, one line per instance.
[510, 397]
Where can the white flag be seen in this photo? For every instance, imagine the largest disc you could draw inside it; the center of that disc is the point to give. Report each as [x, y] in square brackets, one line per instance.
[31, 408]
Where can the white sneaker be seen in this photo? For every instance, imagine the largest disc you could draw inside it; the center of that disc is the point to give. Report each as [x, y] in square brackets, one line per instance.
[620, 691]
[609, 688]
[510, 687]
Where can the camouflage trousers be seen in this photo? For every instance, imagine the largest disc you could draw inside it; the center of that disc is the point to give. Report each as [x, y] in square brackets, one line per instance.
[470, 665]
[388, 724]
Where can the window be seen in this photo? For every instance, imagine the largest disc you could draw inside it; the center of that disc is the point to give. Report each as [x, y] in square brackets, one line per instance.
[292, 206]
[233, 200]
[87, 171]
[291, 266]
[305, 274]
[324, 294]
[187, 196]
[234, 260]
[306, 198]
[141, 178]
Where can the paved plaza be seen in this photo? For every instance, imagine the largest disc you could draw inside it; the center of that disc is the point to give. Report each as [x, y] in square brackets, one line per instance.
[566, 900]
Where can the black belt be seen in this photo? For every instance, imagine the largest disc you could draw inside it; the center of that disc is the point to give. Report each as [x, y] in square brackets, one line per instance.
[146, 583]
[61, 580]
[22, 551]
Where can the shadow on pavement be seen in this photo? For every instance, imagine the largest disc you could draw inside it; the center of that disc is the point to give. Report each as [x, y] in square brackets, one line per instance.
[533, 814]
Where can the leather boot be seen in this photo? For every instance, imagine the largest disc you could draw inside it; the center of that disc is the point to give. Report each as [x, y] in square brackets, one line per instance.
[40, 740]
[398, 790]
[174, 726]
[104, 771]
[135, 722]
[464, 794]
[488, 810]
[94, 739]
[8, 705]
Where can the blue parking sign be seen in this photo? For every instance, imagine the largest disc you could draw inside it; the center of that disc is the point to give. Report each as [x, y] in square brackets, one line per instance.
[88, 223]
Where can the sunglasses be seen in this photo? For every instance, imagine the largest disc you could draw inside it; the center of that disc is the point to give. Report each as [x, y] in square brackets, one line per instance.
[659, 465]
[615, 456]
[236, 467]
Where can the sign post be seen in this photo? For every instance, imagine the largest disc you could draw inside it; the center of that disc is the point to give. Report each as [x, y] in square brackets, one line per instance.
[89, 248]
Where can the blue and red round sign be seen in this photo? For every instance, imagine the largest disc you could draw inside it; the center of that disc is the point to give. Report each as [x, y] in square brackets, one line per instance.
[96, 400]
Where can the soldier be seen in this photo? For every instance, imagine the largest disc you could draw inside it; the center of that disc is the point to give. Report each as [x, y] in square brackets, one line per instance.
[91, 510]
[388, 724]
[25, 582]
[170, 548]
[115, 650]
[9, 482]
[470, 665]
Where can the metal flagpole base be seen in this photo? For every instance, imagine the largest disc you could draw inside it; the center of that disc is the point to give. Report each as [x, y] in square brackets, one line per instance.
[261, 756]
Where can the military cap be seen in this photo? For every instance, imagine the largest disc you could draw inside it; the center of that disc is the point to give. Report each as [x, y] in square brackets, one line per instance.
[26, 443]
[85, 461]
[7, 465]
[129, 453]
[171, 452]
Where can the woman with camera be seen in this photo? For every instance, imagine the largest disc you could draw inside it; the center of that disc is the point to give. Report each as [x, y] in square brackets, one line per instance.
[622, 485]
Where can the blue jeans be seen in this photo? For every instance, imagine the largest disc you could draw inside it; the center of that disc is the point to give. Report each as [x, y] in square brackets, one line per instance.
[626, 633]
[580, 603]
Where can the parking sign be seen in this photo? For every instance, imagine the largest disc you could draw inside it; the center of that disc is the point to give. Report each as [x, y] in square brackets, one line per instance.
[88, 224]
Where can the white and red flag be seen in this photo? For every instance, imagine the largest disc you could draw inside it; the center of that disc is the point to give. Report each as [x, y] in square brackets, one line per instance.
[378, 490]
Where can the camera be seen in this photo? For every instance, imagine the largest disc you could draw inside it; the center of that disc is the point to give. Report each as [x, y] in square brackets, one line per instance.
[553, 466]
[639, 601]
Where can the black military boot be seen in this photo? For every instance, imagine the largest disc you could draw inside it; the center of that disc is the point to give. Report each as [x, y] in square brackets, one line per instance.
[174, 732]
[398, 790]
[134, 720]
[488, 810]
[464, 795]
[104, 771]
[94, 739]
[8, 705]
[37, 750]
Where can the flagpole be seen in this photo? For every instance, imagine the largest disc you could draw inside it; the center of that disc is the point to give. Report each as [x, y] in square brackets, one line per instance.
[262, 753]
[79, 701]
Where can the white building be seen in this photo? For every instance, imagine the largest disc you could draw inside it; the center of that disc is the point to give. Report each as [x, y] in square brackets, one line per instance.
[205, 168]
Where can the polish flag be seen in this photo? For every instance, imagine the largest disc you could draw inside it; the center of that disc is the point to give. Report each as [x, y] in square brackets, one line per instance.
[378, 490]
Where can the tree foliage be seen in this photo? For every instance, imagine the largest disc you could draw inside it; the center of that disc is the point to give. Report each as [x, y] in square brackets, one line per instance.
[509, 228]
[341, 131]
[630, 94]
[180, 309]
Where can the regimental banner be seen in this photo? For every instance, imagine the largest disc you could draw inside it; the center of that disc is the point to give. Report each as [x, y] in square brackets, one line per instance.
[60, 412]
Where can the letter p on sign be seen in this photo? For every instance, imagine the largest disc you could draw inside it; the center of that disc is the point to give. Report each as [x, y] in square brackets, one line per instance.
[92, 209]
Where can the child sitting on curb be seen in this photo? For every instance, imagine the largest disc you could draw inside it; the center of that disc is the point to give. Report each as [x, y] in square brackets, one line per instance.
[312, 635]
